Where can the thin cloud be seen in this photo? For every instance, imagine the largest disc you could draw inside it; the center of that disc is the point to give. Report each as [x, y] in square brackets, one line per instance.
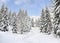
[27, 3]
[4, 1]
[19, 2]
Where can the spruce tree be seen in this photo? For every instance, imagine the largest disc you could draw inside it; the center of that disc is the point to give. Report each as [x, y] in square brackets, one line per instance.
[48, 21]
[32, 22]
[23, 22]
[14, 25]
[42, 21]
[57, 16]
[4, 18]
[46, 25]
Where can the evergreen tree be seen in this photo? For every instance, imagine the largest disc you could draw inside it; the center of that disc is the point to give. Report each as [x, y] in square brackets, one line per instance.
[57, 16]
[20, 21]
[46, 25]
[4, 18]
[48, 21]
[27, 23]
[32, 22]
[42, 20]
[10, 21]
[10, 17]
[14, 25]
[23, 20]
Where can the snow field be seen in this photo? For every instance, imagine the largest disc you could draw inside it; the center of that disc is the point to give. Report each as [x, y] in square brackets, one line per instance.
[34, 36]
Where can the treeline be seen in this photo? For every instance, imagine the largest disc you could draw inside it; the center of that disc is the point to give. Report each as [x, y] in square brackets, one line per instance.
[21, 22]
[12, 22]
[48, 23]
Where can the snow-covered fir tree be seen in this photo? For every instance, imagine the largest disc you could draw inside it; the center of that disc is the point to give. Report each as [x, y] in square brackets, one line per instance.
[42, 21]
[48, 21]
[32, 21]
[20, 21]
[57, 16]
[23, 22]
[7, 20]
[12, 22]
[10, 17]
[27, 24]
[14, 25]
[3, 18]
[46, 25]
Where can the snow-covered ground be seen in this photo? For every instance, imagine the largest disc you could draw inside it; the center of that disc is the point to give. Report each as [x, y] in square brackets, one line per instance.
[34, 36]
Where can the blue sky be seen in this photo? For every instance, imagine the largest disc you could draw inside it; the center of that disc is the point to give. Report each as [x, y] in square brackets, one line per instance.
[33, 7]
